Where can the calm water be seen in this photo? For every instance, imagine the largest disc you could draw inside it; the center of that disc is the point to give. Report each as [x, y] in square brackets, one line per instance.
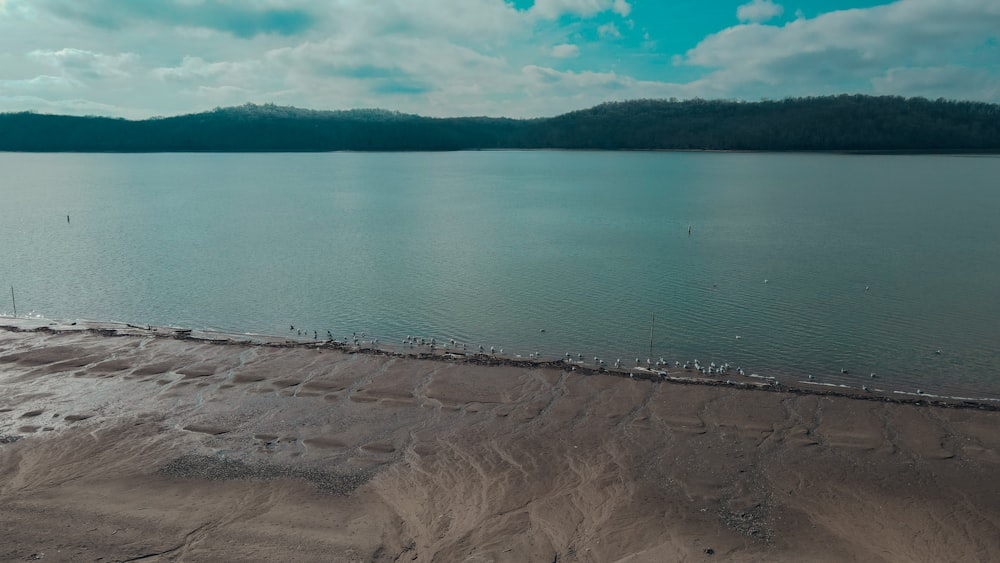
[493, 248]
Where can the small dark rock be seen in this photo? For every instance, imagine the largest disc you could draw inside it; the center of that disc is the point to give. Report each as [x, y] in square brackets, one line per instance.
[709, 551]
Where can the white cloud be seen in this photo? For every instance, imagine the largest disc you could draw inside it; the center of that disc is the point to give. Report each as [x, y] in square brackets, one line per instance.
[380, 57]
[13, 7]
[43, 83]
[79, 63]
[245, 19]
[196, 68]
[565, 51]
[609, 30]
[476, 20]
[758, 11]
[947, 81]
[423, 75]
[73, 106]
[551, 92]
[474, 57]
[544, 75]
[846, 50]
[553, 9]
[595, 86]
[221, 94]
[622, 8]
[393, 55]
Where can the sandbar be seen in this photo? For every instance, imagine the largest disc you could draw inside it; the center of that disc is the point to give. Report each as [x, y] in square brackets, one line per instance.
[126, 443]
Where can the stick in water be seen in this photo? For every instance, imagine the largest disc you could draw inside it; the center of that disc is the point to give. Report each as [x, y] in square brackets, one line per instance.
[652, 321]
[12, 300]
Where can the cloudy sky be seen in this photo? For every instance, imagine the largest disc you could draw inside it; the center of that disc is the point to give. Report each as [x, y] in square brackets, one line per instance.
[519, 58]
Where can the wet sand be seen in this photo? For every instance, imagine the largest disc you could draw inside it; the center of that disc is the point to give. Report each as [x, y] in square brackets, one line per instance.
[127, 443]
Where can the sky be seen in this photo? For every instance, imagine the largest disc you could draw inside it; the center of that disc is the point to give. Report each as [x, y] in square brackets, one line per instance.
[515, 58]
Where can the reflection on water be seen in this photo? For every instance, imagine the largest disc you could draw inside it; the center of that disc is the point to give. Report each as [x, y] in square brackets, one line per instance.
[873, 263]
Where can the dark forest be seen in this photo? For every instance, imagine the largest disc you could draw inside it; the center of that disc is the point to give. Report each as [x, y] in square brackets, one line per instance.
[829, 123]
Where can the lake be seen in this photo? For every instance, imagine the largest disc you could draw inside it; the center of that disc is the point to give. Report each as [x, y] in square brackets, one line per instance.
[795, 265]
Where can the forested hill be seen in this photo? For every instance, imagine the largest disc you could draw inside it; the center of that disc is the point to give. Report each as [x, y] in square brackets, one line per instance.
[840, 123]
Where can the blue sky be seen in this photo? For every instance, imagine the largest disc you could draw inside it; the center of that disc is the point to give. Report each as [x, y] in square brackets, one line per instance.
[519, 58]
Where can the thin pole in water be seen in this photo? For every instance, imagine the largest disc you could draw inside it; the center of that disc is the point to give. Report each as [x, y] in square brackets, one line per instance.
[651, 323]
[12, 300]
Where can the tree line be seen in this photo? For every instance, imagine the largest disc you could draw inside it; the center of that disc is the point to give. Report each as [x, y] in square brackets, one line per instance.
[827, 123]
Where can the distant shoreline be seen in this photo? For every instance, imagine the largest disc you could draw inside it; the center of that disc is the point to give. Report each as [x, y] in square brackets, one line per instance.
[991, 153]
[670, 375]
[844, 123]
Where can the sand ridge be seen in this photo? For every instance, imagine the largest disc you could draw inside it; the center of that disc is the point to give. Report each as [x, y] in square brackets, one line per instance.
[177, 449]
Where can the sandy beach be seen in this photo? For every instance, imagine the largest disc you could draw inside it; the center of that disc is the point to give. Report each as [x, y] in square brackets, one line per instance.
[122, 443]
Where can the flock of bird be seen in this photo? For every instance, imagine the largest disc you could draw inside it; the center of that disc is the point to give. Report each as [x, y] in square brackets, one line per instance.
[649, 365]
[432, 344]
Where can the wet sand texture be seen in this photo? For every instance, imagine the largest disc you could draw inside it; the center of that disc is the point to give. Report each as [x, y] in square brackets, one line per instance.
[162, 449]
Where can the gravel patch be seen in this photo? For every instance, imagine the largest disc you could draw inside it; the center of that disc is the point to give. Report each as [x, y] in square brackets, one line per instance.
[226, 469]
